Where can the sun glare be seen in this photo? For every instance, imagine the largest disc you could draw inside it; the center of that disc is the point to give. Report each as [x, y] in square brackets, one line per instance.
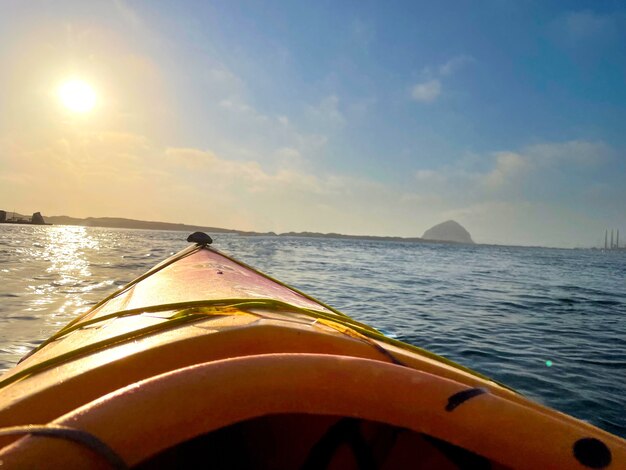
[77, 96]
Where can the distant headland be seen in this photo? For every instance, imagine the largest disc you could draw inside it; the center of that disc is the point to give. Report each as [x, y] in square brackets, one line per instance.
[35, 219]
[447, 232]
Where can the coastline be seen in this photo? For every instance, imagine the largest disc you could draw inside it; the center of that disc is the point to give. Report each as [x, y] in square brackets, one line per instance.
[125, 223]
[118, 222]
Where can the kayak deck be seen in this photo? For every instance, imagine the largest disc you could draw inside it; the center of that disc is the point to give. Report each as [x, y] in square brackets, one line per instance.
[203, 333]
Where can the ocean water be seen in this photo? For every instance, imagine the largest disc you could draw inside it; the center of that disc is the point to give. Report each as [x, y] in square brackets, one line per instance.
[550, 323]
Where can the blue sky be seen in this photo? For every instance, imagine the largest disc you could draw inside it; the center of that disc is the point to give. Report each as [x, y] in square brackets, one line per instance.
[379, 118]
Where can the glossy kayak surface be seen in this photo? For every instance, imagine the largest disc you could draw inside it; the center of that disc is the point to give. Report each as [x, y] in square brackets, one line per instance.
[205, 358]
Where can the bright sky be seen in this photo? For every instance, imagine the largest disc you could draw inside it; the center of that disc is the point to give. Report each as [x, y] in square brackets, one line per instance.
[380, 118]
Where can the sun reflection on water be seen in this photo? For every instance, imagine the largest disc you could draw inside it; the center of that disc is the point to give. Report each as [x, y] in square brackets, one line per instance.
[65, 252]
[51, 274]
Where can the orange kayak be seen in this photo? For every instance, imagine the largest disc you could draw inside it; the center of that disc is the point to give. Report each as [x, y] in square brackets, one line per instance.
[204, 360]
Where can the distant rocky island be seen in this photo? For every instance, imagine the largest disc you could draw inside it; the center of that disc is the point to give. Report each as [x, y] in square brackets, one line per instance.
[447, 232]
[35, 219]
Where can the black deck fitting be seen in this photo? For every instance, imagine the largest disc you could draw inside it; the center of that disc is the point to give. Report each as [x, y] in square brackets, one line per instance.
[200, 238]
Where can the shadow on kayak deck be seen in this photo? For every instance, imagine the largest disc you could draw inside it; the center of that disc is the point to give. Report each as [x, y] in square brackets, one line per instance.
[308, 442]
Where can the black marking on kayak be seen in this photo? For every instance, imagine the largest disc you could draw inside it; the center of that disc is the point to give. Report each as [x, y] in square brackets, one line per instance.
[592, 452]
[200, 238]
[387, 353]
[462, 396]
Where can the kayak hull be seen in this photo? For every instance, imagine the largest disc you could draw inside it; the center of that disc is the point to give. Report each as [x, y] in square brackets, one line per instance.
[203, 343]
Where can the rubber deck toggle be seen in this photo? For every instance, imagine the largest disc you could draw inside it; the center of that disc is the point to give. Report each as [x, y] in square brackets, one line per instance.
[200, 238]
[462, 396]
[592, 452]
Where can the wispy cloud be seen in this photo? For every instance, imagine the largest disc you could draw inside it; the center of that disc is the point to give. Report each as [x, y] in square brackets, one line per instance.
[508, 167]
[327, 113]
[127, 13]
[426, 92]
[431, 87]
[506, 170]
[223, 81]
[455, 64]
[574, 152]
[239, 127]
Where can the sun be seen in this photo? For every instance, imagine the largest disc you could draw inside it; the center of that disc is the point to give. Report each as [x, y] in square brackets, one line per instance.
[77, 96]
